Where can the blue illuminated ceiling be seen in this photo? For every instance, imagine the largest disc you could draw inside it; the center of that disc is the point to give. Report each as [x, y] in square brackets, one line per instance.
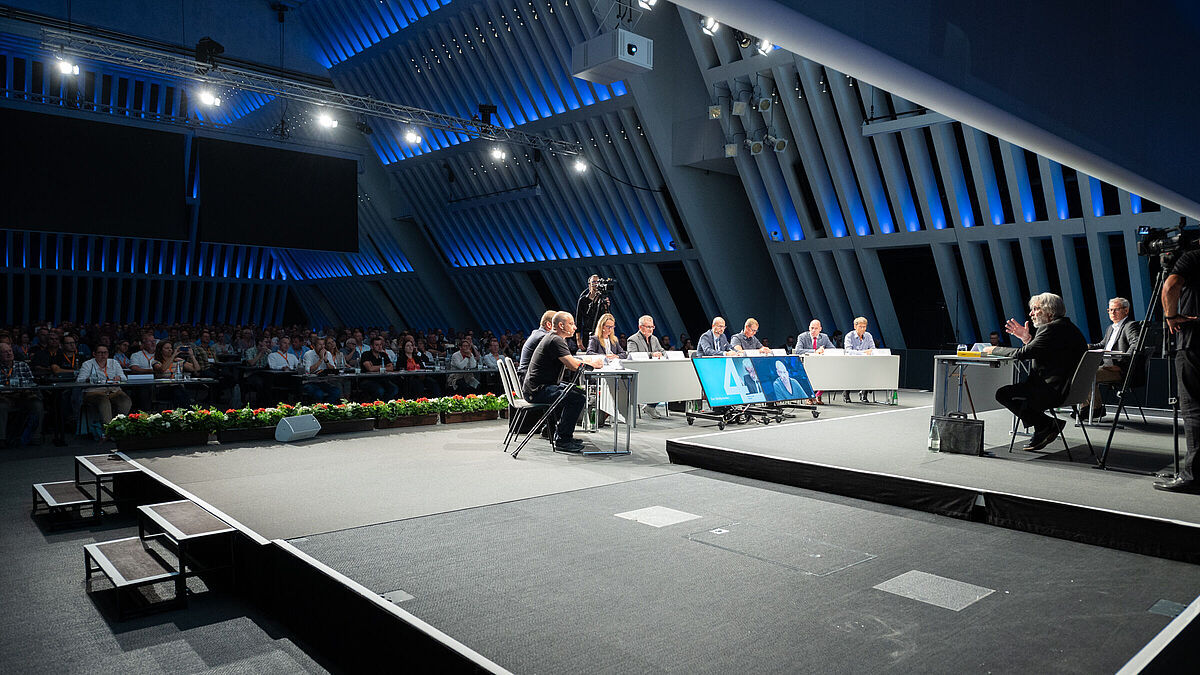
[348, 27]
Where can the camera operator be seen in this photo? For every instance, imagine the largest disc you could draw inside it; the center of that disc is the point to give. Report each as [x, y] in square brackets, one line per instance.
[1181, 307]
[593, 303]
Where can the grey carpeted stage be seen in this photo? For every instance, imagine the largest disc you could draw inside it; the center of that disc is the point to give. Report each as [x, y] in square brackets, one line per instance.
[554, 562]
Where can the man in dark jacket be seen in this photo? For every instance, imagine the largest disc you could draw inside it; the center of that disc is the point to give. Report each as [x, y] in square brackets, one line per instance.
[1055, 345]
[1120, 336]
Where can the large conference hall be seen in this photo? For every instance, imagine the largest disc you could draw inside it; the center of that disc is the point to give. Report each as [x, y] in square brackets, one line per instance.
[599, 336]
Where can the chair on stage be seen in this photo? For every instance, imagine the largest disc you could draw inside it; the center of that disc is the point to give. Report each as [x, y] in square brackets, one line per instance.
[1077, 395]
[1139, 367]
[517, 405]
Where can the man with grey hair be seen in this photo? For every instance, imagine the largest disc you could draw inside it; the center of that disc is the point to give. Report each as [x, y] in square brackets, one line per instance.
[1055, 345]
[645, 341]
[1120, 336]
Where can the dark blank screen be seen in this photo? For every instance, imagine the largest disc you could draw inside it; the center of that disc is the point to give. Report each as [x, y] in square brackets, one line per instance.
[253, 195]
[62, 174]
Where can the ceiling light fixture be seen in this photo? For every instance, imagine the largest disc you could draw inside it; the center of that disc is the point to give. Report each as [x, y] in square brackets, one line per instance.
[744, 41]
[756, 147]
[731, 149]
[714, 112]
[763, 104]
[412, 137]
[68, 68]
[580, 166]
[498, 154]
[777, 144]
[326, 120]
[709, 25]
[647, 4]
[207, 98]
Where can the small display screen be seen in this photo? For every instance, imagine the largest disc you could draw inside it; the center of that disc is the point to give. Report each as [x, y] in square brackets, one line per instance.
[739, 380]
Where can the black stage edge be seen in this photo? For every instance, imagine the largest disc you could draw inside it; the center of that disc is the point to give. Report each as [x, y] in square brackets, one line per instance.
[1146, 535]
[340, 623]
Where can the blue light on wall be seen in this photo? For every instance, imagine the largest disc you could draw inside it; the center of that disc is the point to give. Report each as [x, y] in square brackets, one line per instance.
[1097, 196]
[1135, 203]
[1060, 190]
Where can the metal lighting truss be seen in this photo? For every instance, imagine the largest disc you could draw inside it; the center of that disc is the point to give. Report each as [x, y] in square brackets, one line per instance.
[182, 67]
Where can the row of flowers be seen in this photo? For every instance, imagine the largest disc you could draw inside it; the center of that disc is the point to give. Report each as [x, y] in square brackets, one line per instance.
[182, 420]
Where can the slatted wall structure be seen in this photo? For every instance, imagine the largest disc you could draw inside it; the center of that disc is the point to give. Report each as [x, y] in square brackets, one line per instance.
[1000, 221]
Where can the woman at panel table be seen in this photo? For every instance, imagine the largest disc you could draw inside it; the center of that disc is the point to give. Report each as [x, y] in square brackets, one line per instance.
[604, 342]
[785, 386]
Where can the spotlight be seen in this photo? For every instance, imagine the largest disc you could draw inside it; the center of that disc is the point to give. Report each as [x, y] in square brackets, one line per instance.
[714, 112]
[756, 147]
[327, 121]
[207, 49]
[486, 110]
[777, 144]
[709, 25]
[366, 128]
[744, 41]
[731, 149]
[207, 98]
[647, 4]
[765, 46]
[580, 166]
[68, 68]
[739, 107]
[763, 104]
[498, 154]
[412, 137]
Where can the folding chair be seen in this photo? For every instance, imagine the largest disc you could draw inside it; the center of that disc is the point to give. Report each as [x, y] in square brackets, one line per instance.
[516, 400]
[1077, 395]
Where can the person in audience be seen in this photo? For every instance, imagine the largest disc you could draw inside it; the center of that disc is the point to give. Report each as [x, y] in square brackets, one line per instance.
[245, 342]
[17, 375]
[170, 364]
[491, 358]
[141, 362]
[22, 351]
[714, 342]
[746, 341]
[258, 357]
[544, 381]
[283, 358]
[414, 385]
[545, 327]
[813, 340]
[376, 361]
[318, 361]
[666, 343]
[45, 356]
[785, 387]
[859, 341]
[1055, 345]
[1120, 336]
[68, 361]
[121, 353]
[351, 353]
[604, 341]
[104, 371]
[995, 340]
[463, 359]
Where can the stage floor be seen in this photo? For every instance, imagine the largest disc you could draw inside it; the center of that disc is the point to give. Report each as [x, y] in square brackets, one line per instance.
[548, 563]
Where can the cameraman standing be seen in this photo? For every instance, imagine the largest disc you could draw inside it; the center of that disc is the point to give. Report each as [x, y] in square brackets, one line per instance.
[1181, 307]
[593, 303]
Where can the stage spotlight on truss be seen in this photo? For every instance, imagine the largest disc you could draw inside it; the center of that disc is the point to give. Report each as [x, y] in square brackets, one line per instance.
[498, 154]
[731, 149]
[326, 120]
[709, 25]
[777, 144]
[756, 147]
[765, 46]
[647, 4]
[580, 166]
[763, 104]
[714, 112]
[412, 137]
[743, 40]
[207, 98]
[68, 68]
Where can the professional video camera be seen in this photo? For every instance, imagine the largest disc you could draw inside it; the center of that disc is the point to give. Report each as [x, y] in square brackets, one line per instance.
[1167, 241]
[604, 287]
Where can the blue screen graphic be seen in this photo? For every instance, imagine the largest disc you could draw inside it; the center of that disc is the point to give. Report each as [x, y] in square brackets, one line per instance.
[740, 380]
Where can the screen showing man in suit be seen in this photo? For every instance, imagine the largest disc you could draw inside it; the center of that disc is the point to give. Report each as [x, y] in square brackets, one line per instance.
[739, 381]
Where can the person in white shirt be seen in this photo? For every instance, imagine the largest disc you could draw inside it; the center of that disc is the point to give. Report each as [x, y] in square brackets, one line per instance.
[283, 358]
[491, 360]
[463, 359]
[318, 361]
[103, 370]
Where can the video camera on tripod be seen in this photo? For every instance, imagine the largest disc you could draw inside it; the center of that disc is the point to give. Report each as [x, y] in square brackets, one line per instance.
[604, 287]
[1167, 242]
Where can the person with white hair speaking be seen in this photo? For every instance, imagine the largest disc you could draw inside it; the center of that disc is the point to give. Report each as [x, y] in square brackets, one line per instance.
[1055, 345]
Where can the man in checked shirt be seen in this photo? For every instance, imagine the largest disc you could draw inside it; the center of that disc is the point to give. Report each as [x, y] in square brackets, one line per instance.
[15, 376]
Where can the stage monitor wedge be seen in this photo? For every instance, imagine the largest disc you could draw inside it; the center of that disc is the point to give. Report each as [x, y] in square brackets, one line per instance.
[79, 176]
[253, 195]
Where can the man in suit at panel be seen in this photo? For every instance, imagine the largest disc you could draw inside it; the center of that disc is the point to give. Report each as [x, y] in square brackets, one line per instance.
[714, 342]
[1055, 345]
[813, 340]
[1120, 336]
[645, 341]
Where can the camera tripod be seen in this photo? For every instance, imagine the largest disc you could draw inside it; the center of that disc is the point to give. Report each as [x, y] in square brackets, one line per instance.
[1167, 349]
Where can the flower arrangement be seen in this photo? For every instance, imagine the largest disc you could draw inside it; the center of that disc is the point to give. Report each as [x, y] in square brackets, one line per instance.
[145, 425]
[408, 408]
[474, 403]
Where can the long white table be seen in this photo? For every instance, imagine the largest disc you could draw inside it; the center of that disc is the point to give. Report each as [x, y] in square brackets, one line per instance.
[829, 372]
[665, 380]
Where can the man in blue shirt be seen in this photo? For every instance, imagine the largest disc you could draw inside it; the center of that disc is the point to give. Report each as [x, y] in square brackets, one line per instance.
[714, 342]
[859, 340]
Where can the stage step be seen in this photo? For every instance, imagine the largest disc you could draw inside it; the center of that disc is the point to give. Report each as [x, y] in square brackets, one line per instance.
[129, 564]
[62, 496]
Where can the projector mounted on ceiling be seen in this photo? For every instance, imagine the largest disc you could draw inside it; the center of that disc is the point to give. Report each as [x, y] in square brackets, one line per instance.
[613, 56]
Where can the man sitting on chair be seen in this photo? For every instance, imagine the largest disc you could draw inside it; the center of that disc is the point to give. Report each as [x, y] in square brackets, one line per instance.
[1120, 336]
[543, 382]
[1055, 345]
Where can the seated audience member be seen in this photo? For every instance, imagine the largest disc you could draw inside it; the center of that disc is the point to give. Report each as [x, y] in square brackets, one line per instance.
[17, 375]
[104, 371]
[351, 353]
[318, 361]
[666, 343]
[714, 342]
[463, 359]
[283, 358]
[604, 342]
[415, 385]
[688, 347]
[121, 353]
[645, 341]
[377, 361]
[1055, 345]
[141, 362]
[1120, 336]
[491, 358]
[544, 381]
[23, 349]
[258, 357]
[544, 328]
[859, 340]
[45, 357]
[995, 340]
[745, 340]
[170, 364]
[813, 340]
